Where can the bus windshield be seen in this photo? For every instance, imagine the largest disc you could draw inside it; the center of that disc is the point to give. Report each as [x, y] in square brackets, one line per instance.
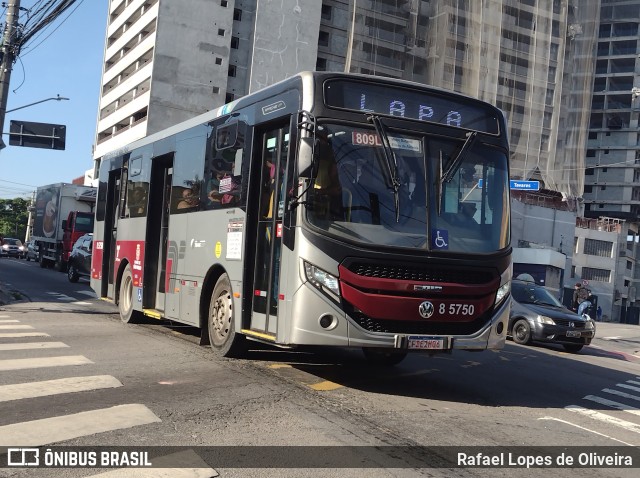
[355, 194]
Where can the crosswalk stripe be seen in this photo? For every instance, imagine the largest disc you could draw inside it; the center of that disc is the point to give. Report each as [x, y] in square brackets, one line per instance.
[633, 383]
[5, 321]
[184, 464]
[66, 427]
[56, 387]
[33, 345]
[621, 394]
[15, 327]
[12, 335]
[603, 417]
[612, 404]
[624, 385]
[4, 316]
[41, 362]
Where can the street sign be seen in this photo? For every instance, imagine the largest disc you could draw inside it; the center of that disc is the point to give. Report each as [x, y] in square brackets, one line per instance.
[37, 135]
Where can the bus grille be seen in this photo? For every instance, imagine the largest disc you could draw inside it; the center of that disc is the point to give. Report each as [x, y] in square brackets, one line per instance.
[424, 273]
[418, 327]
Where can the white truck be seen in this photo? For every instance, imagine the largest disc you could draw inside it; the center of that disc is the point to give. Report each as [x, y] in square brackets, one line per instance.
[63, 213]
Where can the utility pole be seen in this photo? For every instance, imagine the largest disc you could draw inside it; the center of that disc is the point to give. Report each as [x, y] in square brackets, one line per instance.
[6, 62]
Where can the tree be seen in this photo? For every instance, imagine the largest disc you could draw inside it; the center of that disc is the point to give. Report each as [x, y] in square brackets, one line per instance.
[13, 217]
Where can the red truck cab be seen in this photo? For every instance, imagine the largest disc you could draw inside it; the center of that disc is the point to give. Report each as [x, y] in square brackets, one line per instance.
[76, 225]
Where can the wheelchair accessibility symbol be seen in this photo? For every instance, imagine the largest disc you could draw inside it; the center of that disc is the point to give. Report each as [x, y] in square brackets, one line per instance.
[440, 239]
[140, 294]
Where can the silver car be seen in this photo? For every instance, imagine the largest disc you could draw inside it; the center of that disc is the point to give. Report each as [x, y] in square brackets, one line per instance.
[536, 315]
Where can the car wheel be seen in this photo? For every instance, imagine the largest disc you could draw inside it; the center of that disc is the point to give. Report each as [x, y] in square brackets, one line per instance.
[221, 321]
[72, 273]
[380, 358]
[125, 299]
[573, 348]
[521, 332]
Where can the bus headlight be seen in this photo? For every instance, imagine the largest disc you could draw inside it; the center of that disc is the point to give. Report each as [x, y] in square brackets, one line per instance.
[322, 279]
[503, 291]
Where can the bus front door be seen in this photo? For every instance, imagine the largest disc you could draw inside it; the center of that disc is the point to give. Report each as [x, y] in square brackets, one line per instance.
[110, 234]
[267, 266]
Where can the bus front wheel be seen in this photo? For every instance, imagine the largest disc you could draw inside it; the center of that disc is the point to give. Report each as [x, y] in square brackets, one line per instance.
[221, 321]
[125, 298]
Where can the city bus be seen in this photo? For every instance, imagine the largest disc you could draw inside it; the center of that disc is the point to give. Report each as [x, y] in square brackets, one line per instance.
[329, 209]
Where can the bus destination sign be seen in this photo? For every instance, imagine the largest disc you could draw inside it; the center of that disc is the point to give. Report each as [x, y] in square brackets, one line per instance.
[429, 106]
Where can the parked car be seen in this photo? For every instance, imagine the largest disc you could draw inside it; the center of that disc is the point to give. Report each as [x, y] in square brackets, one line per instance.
[536, 315]
[11, 247]
[30, 251]
[79, 264]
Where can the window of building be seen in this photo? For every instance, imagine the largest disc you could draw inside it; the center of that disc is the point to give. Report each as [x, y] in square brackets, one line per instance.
[593, 135]
[626, 29]
[604, 170]
[601, 206]
[221, 32]
[237, 14]
[229, 97]
[215, 90]
[588, 189]
[599, 275]
[218, 60]
[605, 30]
[235, 42]
[591, 153]
[323, 38]
[588, 172]
[224, 3]
[629, 265]
[573, 271]
[575, 244]
[326, 12]
[232, 70]
[595, 247]
[321, 64]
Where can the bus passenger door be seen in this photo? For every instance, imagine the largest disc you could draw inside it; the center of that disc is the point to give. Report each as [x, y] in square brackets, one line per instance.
[156, 269]
[110, 233]
[267, 271]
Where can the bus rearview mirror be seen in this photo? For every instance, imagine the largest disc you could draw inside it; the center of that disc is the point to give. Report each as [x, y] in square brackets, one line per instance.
[305, 157]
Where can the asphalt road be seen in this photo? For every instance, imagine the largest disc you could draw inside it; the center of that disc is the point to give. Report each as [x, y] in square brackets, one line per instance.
[111, 384]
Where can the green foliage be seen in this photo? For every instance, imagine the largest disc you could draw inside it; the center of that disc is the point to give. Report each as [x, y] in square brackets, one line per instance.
[14, 217]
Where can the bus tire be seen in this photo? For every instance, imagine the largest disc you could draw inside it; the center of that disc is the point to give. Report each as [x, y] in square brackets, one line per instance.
[125, 299]
[381, 358]
[221, 321]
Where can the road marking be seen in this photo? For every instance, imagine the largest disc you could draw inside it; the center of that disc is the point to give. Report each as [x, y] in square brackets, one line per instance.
[611, 338]
[4, 316]
[81, 303]
[189, 463]
[66, 427]
[623, 385]
[33, 345]
[325, 386]
[12, 335]
[633, 383]
[60, 296]
[56, 387]
[612, 404]
[15, 327]
[622, 394]
[4, 321]
[40, 362]
[603, 417]
[583, 428]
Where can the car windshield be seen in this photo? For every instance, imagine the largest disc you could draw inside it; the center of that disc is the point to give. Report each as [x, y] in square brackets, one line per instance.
[12, 242]
[424, 196]
[527, 293]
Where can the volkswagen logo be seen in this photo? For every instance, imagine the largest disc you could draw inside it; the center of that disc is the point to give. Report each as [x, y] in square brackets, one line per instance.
[426, 309]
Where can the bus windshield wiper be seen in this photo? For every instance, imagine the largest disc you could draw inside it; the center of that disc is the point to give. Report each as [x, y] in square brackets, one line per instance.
[453, 165]
[390, 159]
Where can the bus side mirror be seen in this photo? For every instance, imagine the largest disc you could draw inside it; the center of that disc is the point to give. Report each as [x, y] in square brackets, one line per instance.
[306, 157]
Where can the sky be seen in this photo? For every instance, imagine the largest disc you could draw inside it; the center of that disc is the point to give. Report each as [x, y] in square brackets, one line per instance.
[65, 59]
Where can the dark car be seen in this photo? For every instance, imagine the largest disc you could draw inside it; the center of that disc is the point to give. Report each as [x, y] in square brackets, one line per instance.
[536, 315]
[30, 251]
[79, 264]
[11, 247]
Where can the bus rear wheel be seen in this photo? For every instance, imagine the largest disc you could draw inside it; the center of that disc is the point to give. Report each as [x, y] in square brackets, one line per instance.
[381, 358]
[221, 321]
[125, 299]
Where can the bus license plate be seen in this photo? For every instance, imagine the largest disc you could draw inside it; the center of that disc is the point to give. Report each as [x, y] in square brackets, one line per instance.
[421, 342]
[574, 333]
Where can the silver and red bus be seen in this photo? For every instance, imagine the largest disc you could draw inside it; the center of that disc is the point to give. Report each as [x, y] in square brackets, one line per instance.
[329, 209]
